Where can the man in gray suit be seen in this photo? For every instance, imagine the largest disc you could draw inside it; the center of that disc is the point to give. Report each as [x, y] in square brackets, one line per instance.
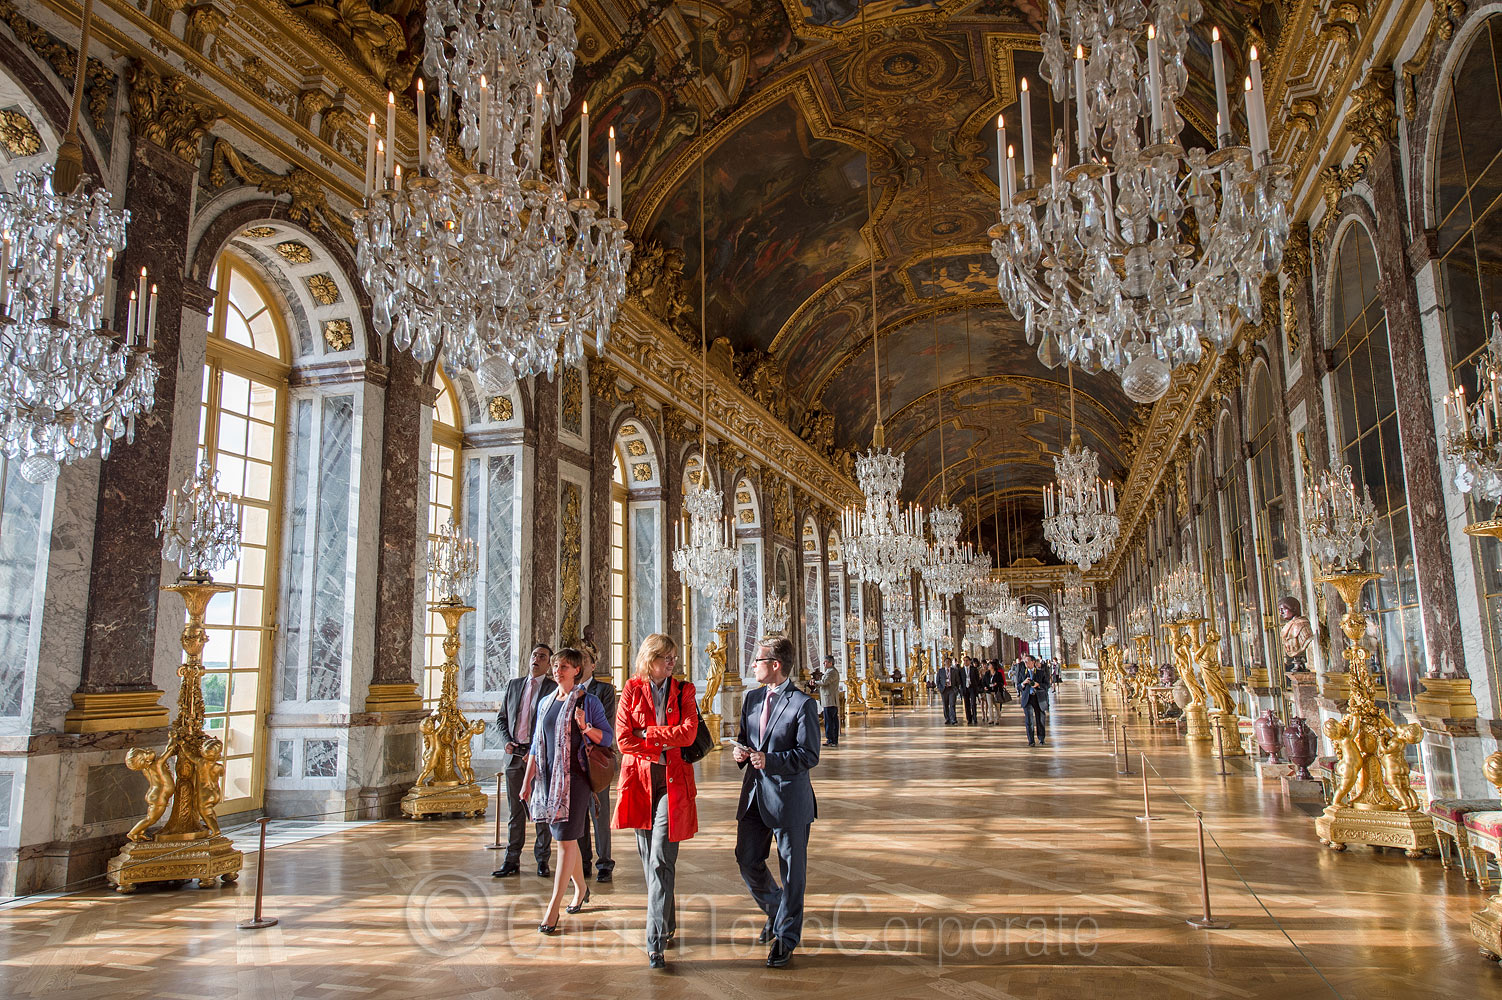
[780, 740]
[951, 682]
[519, 708]
[1032, 698]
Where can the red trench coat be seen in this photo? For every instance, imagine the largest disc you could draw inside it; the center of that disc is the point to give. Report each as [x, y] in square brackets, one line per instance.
[633, 810]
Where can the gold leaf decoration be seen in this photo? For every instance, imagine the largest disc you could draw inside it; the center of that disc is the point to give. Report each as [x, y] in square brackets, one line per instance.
[338, 334]
[636, 448]
[747, 517]
[641, 472]
[500, 408]
[322, 288]
[259, 233]
[294, 252]
[19, 136]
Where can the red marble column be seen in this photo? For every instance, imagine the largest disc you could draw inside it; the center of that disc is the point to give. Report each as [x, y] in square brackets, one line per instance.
[545, 514]
[601, 461]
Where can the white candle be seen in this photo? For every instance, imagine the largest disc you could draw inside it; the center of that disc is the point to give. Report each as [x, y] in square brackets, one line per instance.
[538, 113]
[1001, 160]
[1011, 176]
[140, 330]
[151, 321]
[1252, 131]
[1154, 82]
[370, 156]
[130, 320]
[396, 180]
[584, 150]
[4, 271]
[1081, 116]
[482, 155]
[1222, 105]
[57, 273]
[1053, 171]
[615, 182]
[1259, 99]
[1027, 134]
[381, 157]
[390, 132]
[422, 126]
[610, 171]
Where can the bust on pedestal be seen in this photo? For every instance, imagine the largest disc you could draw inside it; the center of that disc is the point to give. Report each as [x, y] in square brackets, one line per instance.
[1296, 635]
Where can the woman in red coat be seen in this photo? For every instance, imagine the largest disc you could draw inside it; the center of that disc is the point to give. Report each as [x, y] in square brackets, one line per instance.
[657, 717]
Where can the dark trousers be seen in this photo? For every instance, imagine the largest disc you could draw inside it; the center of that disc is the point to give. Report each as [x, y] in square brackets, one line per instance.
[599, 818]
[659, 862]
[516, 822]
[1036, 714]
[950, 696]
[970, 705]
[832, 725]
[783, 906]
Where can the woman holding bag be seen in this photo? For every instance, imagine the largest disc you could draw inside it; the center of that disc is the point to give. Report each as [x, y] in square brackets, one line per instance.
[556, 785]
[657, 717]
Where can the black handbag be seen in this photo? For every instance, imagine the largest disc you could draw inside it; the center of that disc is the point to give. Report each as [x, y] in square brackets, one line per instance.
[703, 741]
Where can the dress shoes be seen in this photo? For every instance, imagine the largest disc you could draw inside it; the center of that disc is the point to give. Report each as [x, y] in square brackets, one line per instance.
[656, 961]
[506, 870]
[766, 932]
[604, 877]
[779, 956]
[543, 869]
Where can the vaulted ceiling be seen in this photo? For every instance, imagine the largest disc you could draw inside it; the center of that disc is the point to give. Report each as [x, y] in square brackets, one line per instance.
[791, 105]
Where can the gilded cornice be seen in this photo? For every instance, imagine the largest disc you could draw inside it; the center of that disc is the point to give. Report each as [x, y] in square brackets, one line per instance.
[308, 203]
[99, 87]
[164, 110]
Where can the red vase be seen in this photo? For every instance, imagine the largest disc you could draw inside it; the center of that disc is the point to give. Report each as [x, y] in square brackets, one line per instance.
[1301, 745]
[1269, 733]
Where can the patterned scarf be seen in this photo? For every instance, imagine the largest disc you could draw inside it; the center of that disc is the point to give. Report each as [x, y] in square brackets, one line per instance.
[550, 790]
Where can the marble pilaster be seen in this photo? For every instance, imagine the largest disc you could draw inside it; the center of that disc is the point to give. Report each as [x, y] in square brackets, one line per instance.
[544, 569]
[601, 409]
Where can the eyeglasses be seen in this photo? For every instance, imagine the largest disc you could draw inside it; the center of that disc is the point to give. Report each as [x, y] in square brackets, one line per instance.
[767, 659]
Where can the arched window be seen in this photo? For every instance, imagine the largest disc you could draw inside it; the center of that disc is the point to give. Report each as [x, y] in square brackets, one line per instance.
[1231, 484]
[836, 558]
[1363, 400]
[443, 504]
[240, 435]
[620, 581]
[1467, 173]
[1043, 648]
[813, 595]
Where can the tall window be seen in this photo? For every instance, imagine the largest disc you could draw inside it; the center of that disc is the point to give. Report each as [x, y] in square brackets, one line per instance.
[1043, 648]
[443, 503]
[620, 634]
[239, 434]
[1363, 398]
[1468, 172]
[1278, 577]
[1234, 530]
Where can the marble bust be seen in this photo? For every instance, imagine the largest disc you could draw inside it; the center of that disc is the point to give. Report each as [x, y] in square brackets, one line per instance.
[1296, 634]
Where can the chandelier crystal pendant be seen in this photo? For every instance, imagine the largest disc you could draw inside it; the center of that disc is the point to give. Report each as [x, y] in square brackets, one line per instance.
[69, 388]
[200, 526]
[1473, 431]
[453, 564]
[1180, 596]
[1129, 251]
[1337, 520]
[508, 269]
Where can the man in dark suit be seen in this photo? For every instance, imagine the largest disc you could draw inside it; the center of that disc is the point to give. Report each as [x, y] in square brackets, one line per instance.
[972, 688]
[950, 683]
[780, 741]
[518, 713]
[1032, 697]
[601, 686]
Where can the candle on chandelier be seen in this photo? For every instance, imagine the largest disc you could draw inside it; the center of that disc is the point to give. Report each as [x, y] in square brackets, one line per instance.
[615, 182]
[422, 127]
[538, 112]
[1081, 114]
[1154, 82]
[57, 273]
[370, 157]
[482, 155]
[130, 320]
[390, 134]
[610, 171]
[151, 321]
[140, 295]
[1053, 172]
[1001, 160]
[1222, 103]
[1106, 184]
[584, 151]
[1027, 134]
[396, 179]
[381, 162]
[1258, 103]
[4, 271]
[1011, 176]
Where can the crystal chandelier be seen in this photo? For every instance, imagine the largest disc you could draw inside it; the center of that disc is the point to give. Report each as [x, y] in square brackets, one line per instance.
[774, 616]
[724, 607]
[852, 627]
[1072, 608]
[897, 607]
[200, 526]
[1109, 637]
[1180, 596]
[1127, 257]
[453, 564]
[508, 269]
[884, 539]
[706, 557]
[1473, 432]
[934, 629]
[1337, 520]
[978, 634]
[946, 561]
[69, 388]
[1140, 622]
[1011, 618]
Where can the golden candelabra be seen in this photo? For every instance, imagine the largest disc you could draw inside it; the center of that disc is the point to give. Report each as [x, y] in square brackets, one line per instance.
[873, 696]
[716, 652]
[1146, 675]
[855, 698]
[189, 845]
[1181, 637]
[1373, 801]
[1486, 923]
[446, 783]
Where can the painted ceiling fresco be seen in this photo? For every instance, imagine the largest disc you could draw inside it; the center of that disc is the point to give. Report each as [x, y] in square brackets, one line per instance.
[789, 103]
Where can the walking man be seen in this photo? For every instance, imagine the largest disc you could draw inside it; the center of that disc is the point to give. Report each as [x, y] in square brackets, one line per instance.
[518, 713]
[829, 696]
[1032, 696]
[950, 683]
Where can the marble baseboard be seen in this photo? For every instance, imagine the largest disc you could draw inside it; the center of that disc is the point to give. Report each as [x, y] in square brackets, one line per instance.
[55, 864]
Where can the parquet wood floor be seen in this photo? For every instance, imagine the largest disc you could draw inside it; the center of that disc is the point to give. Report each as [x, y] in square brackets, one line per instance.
[945, 863]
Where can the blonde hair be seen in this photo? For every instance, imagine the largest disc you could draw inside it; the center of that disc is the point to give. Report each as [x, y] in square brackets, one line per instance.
[652, 647]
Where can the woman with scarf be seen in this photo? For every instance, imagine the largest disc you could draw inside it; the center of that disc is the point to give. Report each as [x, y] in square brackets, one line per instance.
[556, 785]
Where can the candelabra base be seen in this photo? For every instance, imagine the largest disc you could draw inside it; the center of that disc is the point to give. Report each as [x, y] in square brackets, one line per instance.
[444, 799]
[713, 722]
[1412, 832]
[1197, 723]
[204, 858]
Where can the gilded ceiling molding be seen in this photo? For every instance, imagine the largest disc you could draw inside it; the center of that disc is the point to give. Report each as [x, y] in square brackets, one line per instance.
[807, 305]
[675, 423]
[165, 112]
[1442, 24]
[99, 85]
[926, 401]
[934, 14]
[602, 381]
[309, 201]
[999, 49]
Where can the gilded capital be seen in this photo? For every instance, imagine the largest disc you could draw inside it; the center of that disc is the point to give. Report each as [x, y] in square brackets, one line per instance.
[163, 112]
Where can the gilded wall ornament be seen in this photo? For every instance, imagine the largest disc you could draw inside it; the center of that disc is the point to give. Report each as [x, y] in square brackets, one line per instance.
[163, 112]
[18, 134]
[338, 334]
[63, 59]
[309, 202]
[571, 401]
[1442, 23]
[641, 472]
[500, 408]
[323, 289]
[674, 423]
[258, 233]
[570, 560]
[294, 252]
[655, 282]
[636, 447]
[376, 42]
[602, 376]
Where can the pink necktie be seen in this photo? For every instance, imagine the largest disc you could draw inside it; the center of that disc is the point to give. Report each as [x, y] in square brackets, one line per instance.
[766, 713]
[526, 719]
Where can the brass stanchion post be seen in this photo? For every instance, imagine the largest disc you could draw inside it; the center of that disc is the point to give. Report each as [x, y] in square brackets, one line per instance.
[1114, 749]
[1220, 753]
[1147, 809]
[500, 776]
[1206, 921]
[258, 921]
[1126, 756]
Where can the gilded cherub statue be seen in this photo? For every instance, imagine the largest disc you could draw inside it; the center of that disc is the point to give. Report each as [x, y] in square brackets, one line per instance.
[1395, 765]
[1349, 773]
[160, 787]
[211, 783]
